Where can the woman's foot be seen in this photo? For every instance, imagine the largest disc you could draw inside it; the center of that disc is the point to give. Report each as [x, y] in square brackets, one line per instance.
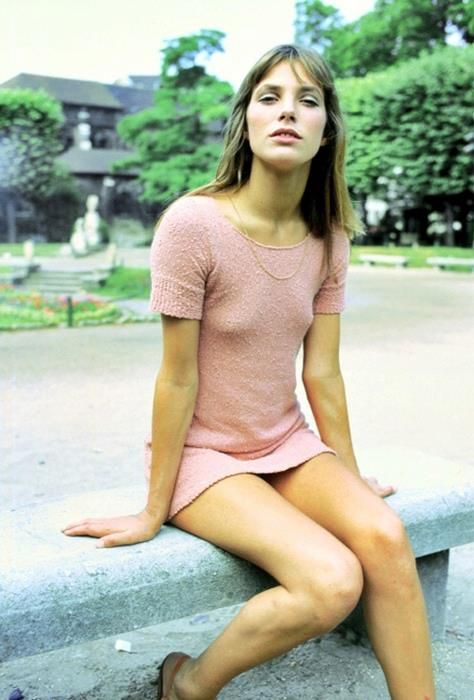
[184, 685]
[168, 670]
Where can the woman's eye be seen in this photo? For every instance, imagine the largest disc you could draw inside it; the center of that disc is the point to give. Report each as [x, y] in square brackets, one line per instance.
[267, 98]
[310, 102]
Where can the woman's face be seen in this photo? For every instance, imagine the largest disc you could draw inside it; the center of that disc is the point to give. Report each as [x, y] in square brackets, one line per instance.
[286, 117]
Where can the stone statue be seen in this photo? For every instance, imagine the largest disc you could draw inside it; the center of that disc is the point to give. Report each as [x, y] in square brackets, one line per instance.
[92, 221]
[86, 236]
[78, 240]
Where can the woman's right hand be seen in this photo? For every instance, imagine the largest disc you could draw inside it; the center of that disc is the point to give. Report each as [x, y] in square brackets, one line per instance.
[113, 532]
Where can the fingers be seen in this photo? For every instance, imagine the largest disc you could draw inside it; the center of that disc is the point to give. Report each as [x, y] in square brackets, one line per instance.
[378, 489]
[112, 532]
[91, 527]
[118, 539]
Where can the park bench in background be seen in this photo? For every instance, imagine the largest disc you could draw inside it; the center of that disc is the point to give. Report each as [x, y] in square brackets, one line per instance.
[379, 259]
[57, 592]
[441, 263]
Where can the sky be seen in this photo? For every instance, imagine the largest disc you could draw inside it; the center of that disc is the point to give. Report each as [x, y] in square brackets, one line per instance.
[107, 40]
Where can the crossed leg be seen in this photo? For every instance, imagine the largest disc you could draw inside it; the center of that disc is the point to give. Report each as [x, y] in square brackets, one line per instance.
[392, 598]
[320, 579]
[319, 531]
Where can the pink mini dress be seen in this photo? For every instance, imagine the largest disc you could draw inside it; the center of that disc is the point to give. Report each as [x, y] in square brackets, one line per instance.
[255, 303]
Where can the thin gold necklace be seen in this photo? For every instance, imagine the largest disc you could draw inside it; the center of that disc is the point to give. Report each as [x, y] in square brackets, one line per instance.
[251, 243]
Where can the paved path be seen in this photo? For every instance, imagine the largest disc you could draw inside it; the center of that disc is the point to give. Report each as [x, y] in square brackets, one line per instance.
[76, 404]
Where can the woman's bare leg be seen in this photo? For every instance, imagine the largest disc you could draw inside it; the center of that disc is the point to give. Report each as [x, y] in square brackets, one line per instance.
[320, 580]
[340, 502]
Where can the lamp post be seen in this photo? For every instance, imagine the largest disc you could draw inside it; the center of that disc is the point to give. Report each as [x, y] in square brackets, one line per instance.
[106, 195]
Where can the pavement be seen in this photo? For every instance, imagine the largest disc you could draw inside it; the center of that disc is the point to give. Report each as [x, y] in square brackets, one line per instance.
[76, 406]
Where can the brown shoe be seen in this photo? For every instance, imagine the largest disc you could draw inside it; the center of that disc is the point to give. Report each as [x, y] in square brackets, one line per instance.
[168, 670]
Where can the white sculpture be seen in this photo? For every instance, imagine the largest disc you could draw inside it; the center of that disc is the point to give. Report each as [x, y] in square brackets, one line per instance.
[92, 221]
[78, 240]
[86, 234]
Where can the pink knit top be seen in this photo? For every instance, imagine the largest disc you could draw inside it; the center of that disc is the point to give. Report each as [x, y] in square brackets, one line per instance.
[255, 303]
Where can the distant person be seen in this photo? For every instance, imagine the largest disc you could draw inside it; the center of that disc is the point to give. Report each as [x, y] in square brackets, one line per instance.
[245, 271]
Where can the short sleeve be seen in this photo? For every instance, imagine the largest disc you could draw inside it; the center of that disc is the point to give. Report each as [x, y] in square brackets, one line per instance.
[180, 261]
[330, 299]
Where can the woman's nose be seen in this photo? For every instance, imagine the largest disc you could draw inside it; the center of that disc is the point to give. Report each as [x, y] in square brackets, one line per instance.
[287, 112]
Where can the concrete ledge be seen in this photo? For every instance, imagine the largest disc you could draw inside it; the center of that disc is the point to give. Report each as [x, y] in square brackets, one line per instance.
[57, 591]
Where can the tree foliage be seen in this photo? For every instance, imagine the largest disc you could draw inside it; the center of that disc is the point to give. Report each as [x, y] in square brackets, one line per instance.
[414, 120]
[315, 23]
[177, 141]
[30, 140]
[394, 31]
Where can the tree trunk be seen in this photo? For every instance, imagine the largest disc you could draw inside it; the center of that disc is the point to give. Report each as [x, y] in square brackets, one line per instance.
[449, 217]
[10, 208]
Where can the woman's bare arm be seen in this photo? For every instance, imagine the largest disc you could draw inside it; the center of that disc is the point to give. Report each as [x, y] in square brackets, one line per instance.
[324, 386]
[173, 405]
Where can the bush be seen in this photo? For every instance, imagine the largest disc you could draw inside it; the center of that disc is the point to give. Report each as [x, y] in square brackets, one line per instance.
[130, 233]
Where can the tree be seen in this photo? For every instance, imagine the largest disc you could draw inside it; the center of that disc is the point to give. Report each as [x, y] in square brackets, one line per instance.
[413, 123]
[177, 140]
[30, 140]
[315, 23]
[394, 31]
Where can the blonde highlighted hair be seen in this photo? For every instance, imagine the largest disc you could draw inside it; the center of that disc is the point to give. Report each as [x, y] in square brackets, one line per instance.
[326, 205]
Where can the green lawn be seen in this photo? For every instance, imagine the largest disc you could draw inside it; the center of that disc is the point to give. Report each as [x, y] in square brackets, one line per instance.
[416, 255]
[127, 283]
[41, 249]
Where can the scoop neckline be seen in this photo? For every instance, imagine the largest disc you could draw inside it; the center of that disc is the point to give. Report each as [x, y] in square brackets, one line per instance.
[252, 240]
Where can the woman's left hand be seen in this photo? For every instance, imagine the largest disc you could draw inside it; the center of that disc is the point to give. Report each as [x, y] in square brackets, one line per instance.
[378, 489]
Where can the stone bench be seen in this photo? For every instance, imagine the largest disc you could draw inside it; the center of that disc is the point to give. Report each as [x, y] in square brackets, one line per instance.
[441, 263]
[376, 259]
[56, 592]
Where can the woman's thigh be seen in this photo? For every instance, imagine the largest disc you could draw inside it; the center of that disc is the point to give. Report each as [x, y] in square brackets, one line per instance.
[339, 501]
[246, 516]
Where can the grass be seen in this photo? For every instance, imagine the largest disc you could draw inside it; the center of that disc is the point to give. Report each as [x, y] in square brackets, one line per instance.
[27, 310]
[127, 283]
[41, 249]
[416, 255]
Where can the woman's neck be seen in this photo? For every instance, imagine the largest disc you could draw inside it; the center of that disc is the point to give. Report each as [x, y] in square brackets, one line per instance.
[273, 197]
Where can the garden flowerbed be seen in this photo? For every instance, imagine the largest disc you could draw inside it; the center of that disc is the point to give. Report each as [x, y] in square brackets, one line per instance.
[25, 310]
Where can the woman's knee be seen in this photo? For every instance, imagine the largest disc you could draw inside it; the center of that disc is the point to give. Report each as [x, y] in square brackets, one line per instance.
[331, 591]
[384, 548]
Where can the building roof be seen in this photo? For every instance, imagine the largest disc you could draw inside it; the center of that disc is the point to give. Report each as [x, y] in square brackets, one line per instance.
[127, 98]
[132, 99]
[145, 82]
[68, 90]
[96, 161]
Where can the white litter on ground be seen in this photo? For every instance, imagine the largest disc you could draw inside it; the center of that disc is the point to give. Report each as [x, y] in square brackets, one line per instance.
[123, 645]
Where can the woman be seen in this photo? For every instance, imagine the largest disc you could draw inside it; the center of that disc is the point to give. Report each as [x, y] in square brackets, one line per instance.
[245, 271]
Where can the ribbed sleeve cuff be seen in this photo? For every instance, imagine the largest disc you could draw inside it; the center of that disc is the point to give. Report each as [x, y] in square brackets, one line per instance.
[175, 299]
[328, 306]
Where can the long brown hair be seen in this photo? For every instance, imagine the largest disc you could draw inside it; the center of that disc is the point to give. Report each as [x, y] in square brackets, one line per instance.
[326, 205]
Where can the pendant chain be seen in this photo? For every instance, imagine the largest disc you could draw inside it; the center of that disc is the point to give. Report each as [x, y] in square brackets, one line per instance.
[251, 243]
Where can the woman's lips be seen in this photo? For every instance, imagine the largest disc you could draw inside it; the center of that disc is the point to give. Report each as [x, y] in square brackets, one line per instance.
[285, 136]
